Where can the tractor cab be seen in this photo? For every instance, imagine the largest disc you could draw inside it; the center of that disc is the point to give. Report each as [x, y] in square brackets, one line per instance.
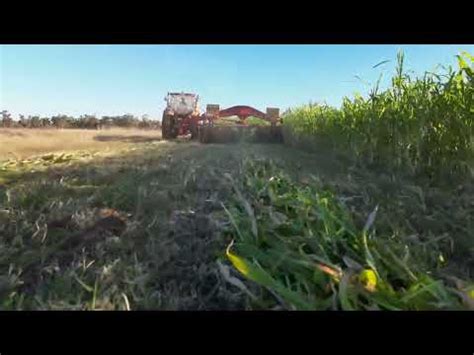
[181, 115]
[182, 104]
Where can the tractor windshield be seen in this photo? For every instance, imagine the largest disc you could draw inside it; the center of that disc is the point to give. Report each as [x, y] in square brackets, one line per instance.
[182, 104]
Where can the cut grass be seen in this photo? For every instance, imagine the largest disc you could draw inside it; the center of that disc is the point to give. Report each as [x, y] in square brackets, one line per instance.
[18, 143]
[57, 252]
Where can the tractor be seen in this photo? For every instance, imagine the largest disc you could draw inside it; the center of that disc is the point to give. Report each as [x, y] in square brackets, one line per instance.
[182, 117]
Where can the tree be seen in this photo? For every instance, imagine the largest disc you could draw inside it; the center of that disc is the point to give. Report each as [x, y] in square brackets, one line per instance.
[144, 123]
[23, 122]
[34, 122]
[7, 120]
[106, 121]
[59, 121]
[45, 122]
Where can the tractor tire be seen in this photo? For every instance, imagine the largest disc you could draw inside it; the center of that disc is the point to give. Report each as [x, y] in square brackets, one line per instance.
[194, 131]
[168, 129]
[166, 126]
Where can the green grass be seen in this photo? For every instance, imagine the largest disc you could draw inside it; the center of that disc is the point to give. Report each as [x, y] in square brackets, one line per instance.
[302, 245]
[255, 121]
[311, 246]
[308, 212]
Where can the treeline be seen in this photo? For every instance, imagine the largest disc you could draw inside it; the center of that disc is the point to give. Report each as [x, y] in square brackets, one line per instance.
[81, 122]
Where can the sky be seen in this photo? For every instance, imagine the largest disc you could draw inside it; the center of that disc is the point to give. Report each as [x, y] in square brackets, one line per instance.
[47, 80]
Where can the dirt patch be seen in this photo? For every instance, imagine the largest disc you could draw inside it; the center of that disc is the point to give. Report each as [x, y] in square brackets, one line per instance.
[111, 223]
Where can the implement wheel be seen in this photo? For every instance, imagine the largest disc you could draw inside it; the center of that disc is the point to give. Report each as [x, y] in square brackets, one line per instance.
[194, 130]
[204, 134]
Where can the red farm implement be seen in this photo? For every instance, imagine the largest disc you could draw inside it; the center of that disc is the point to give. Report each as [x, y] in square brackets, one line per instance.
[182, 117]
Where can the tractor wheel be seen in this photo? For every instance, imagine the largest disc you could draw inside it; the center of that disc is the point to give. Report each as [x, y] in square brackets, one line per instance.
[194, 131]
[168, 129]
[166, 126]
[174, 130]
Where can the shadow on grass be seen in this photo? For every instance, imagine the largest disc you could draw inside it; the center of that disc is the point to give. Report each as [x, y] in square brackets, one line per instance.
[166, 251]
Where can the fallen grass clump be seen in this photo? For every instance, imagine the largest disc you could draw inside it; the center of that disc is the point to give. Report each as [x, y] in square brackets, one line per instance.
[12, 169]
[424, 125]
[300, 243]
[44, 160]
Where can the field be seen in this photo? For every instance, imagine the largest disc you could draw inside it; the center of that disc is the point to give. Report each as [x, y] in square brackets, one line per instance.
[22, 143]
[146, 226]
[366, 207]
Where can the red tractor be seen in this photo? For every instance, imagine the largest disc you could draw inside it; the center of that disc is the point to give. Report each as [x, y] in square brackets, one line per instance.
[182, 117]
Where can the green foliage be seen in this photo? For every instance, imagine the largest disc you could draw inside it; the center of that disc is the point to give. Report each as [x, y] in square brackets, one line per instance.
[423, 124]
[255, 121]
[300, 243]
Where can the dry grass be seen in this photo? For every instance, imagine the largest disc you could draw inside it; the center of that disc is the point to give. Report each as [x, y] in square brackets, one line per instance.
[22, 143]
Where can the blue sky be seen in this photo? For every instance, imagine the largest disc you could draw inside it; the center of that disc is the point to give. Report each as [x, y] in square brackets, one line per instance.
[117, 79]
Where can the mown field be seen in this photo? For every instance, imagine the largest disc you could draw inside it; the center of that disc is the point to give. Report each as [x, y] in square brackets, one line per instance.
[18, 143]
[365, 207]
